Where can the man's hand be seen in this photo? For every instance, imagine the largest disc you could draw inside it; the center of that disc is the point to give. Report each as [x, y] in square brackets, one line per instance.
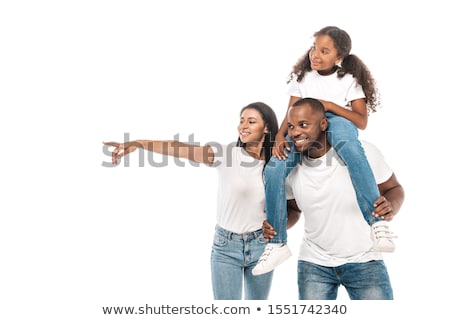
[383, 209]
[268, 231]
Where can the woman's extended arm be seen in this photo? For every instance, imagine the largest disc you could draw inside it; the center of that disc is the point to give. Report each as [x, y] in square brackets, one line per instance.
[200, 154]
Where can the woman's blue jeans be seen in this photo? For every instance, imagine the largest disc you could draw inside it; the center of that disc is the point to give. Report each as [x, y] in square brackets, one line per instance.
[343, 137]
[233, 257]
[363, 281]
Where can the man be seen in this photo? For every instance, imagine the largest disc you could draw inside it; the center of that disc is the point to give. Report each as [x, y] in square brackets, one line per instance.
[337, 245]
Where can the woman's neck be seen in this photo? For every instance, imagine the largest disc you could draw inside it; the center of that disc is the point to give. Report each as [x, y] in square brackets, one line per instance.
[255, 150]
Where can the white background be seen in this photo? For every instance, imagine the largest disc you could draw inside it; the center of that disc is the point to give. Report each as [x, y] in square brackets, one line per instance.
[76, 236]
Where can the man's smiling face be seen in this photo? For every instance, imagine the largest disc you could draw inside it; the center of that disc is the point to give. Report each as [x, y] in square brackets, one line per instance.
[306, 127]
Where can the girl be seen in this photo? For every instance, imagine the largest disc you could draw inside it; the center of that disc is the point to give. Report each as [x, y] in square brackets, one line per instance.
[345, 86]
[238, 240]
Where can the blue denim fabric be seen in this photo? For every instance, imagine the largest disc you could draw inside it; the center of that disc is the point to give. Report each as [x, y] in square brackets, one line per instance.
[275, 174]
[363, 281]
[233, 257]
[343, 136]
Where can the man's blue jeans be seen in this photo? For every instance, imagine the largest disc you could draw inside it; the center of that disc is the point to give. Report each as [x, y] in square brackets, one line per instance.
[363, 281]
[233, 257]
[343, 137]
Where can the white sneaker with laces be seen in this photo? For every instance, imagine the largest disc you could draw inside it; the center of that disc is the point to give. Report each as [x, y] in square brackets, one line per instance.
[382, 237]
[274, 254]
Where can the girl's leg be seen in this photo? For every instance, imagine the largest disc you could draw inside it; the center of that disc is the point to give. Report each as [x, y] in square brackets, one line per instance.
[343, 136]
[275, 174]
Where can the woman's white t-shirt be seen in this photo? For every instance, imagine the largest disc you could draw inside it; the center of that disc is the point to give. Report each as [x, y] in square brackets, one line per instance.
[241, 196]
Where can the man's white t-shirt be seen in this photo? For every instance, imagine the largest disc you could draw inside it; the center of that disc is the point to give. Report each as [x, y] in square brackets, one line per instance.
[241, 195]
[341, 91]
[335, 231]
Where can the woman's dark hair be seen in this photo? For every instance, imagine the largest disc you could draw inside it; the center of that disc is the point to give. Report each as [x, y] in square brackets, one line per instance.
[270, 120]
[350, 64]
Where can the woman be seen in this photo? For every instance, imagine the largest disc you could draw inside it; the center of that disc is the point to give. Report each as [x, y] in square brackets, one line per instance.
[238, 240]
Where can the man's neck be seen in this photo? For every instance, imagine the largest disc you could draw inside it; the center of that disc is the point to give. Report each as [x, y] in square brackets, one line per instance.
[319, 149]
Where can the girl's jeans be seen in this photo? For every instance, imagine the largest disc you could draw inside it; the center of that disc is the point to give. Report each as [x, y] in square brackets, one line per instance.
[343, 137]
[233, 257]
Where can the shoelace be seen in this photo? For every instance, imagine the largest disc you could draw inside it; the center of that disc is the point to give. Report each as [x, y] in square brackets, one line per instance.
[383, 232]
[266, 253]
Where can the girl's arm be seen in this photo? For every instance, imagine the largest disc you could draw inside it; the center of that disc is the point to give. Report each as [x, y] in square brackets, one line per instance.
[358, 115]
[200, 154]
[280, 138]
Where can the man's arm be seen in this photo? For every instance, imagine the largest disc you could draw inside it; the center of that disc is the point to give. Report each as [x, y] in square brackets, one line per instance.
[293, 213]
[390, 200]
[293, 216]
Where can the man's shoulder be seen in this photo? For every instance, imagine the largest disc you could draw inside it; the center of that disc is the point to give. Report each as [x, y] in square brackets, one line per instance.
[370, 148]
[293, 174]
[381, 169]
